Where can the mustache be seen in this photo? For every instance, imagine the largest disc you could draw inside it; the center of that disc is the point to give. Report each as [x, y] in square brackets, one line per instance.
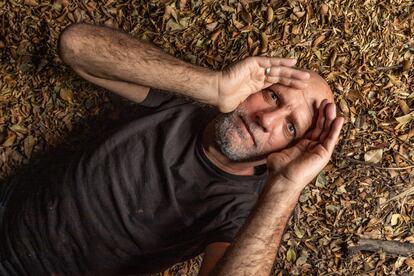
[252, 127]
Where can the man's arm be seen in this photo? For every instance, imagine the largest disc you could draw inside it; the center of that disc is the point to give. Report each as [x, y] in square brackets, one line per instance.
[212, 255]
[255, 247]
[127, 66]
[102, 53]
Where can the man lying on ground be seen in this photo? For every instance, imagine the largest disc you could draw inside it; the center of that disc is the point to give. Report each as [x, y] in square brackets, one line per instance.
[220, 178]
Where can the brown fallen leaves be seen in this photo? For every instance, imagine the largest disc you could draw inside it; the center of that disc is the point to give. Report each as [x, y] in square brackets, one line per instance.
[364, 49]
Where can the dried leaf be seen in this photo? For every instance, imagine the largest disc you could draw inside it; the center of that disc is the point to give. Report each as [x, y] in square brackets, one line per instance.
[406, 118]
[304, 196]
[301, 260]
[172, 25]
[343, 105]
[409, 262]
[407, 135]
[9, 140]
[296, 29]
[319, 40]
[215, 35]
[264, 43]
[246, 16]
[324, 9]
[404, 106]
[341, 190]
[366, 57]
[169, 10]
[237, 24]
[29, 143]
[395, 219]
[31, 2]
[406, 65]
[211, 26]
[374, 156]
[291, 255]
[18, 128]
[321, 180]
[269, 14]
[66, 95]
[299, 233]
[399, 262]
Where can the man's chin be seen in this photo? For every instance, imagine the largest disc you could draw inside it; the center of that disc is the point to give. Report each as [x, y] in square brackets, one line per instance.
[255, 160]
[242, 157]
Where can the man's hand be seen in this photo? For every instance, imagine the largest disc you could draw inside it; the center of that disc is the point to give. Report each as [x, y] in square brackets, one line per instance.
[254, 249]
[302, 162]
[93, 52]
[249, 76]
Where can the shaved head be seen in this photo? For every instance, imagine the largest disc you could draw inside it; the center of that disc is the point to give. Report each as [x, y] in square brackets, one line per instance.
[318, 89]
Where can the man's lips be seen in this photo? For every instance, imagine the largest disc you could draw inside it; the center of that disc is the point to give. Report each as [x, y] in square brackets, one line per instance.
[246, 126]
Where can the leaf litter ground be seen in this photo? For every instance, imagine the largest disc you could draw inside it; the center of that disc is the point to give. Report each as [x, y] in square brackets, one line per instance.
[364, 49]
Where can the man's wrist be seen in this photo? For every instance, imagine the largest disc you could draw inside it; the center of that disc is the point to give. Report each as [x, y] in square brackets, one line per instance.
[203, 86]
[213, 90]
[283, 187]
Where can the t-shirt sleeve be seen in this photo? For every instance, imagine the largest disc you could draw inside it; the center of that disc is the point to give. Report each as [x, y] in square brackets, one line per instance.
[228, 232]
[158, 98]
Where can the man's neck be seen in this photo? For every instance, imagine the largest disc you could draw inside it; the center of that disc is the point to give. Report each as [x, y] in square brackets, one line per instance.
[221, 161]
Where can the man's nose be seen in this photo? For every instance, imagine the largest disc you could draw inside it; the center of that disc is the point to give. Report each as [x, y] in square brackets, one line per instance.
[267, 119]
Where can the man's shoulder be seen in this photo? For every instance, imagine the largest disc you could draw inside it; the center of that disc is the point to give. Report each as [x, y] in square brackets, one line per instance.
[158, 98]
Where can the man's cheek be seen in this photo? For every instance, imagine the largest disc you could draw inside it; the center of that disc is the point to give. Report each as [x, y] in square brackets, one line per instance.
[276, 142]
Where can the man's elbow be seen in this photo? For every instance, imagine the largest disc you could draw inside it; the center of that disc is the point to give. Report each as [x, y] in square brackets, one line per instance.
[69, 43]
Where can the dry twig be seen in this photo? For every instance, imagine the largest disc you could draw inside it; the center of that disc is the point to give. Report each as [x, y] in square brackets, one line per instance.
[390, 247]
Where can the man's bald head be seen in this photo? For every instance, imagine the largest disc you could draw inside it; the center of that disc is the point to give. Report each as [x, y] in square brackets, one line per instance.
[317, 90]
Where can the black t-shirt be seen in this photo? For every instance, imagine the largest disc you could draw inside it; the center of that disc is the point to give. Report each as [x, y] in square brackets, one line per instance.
[144, 199]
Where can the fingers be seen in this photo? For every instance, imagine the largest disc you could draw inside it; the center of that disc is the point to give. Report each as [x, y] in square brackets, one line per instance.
[279, 72]
[278, 160]
[328, 126]
[327, 114]
[290, 82]
[330, 141]
[267, 62]
[330, 115]
[320, 122]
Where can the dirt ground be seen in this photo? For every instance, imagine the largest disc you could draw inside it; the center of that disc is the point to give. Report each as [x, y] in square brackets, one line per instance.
[364, 49]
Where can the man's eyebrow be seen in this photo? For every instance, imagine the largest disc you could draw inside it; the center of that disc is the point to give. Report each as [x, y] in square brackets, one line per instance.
[293, 115]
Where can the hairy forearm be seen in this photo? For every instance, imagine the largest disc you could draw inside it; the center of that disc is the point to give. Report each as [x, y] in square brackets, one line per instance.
[113, 55]
[254, 250]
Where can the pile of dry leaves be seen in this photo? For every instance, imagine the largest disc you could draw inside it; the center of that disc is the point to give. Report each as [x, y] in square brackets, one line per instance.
[364, 49]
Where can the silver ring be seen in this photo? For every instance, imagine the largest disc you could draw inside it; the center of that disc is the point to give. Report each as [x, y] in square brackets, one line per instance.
[267, 71]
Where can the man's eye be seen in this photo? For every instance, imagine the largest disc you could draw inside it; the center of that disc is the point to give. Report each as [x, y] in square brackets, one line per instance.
[274, 97]
[291, 128]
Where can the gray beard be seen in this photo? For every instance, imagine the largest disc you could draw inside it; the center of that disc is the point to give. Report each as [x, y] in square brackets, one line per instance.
[224, 127]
